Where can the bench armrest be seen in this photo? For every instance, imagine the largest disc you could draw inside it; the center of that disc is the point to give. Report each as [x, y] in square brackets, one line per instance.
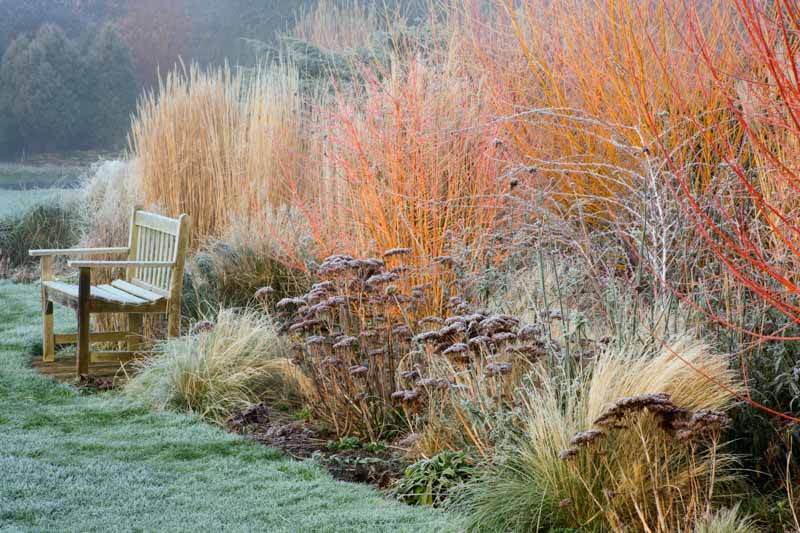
[77, 251]
[120, 264]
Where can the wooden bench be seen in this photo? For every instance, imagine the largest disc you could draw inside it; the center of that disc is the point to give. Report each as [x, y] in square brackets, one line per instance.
[156, 253]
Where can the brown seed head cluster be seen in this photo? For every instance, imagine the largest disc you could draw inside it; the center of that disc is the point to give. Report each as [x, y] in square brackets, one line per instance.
[680, 423]
[372, 363]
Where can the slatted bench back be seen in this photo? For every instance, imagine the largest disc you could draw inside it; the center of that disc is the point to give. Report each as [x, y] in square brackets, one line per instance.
[157, 238]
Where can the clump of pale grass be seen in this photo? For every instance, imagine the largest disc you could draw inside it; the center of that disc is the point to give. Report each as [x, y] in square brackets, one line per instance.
[555, 473]
[725, 521]
[227, 366]
[221, 144]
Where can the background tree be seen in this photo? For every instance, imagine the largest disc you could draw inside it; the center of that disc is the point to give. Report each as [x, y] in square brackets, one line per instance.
[43, 82]
[113, 86]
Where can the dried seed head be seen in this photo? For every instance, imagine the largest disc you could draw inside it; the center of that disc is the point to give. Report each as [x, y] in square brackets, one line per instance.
[504, 336]
[453, 319]
[336, 300]
[498, 323]
[402, 331]
[382, 279]
[454, 301]
[376, 352]
[567, 454]
[326, 286]
[582, 438]
[621, 407]
[297, 326]
[287, 303]
[396, 251]
[202, 326]
[409, 375]
[458, 347]
[453, 329]
[432, 320]
[432, 383]
[494, 369]
[427, 337]
[529, 332]
[708, 422]
[358, 370]
[447, 261]
[479, 342]
[314, 340]
[400, 269]
[263, 294]
[346, 342]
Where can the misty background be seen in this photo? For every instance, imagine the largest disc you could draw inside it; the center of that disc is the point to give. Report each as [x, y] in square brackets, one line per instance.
[71, 71]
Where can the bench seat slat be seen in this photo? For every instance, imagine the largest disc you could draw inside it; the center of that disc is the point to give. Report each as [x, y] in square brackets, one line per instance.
[139, 292]
[123, 296]
[102, 293]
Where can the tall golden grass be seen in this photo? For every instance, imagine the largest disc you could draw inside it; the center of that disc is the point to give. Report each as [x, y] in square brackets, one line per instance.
[221, 144]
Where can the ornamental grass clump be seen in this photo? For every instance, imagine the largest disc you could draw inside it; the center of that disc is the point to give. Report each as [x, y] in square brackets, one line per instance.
[220, 369]
[634, 444]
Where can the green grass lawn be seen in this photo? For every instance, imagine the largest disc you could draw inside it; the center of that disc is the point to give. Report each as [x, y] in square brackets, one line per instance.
[76, 462]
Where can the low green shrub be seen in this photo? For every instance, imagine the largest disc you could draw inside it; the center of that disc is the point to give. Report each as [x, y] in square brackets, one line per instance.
[44, 225]
[219, 371]
[430, 481]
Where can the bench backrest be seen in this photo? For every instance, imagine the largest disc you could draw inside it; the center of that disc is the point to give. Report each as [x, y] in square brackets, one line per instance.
[158, 238]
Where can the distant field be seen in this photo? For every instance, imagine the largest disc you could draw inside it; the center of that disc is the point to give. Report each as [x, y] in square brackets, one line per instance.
[15, 200]
[50, 170]
[16, 176]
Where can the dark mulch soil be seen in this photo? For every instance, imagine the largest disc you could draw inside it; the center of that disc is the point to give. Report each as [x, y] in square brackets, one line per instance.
[303, 440]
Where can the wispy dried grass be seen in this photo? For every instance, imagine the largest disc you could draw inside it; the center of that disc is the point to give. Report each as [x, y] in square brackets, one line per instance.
[637, 473]
[227, 366]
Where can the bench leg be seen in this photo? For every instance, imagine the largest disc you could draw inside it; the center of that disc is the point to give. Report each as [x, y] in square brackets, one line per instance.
[134, 331]
[48, 341]
[84, 286]
[174, 320]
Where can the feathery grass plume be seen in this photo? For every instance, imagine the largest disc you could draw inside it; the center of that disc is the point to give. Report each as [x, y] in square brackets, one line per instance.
[219, 370]
[221, 144]
[635, 473]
